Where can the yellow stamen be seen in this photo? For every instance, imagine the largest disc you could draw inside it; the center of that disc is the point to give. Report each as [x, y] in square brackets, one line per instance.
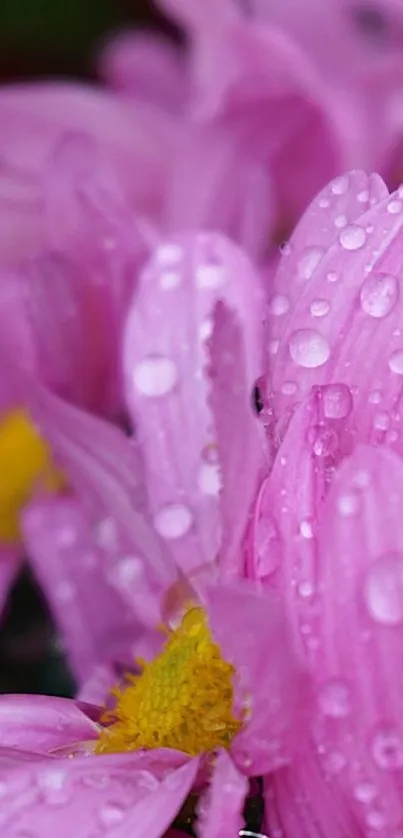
[24, 462]
[182, 699]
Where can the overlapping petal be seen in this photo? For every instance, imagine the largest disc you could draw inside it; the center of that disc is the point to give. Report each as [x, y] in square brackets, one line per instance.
[168, 386]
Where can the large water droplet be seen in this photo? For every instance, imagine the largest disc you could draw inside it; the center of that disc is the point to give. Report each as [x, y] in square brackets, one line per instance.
[173, 521]
[319, 308]
[324, 440]
[309, 348]
[334, 699]
[209, 479]
[387, 748]
[337, 401]
[309, 260]
[352, 237]
[364, 791]
[383, 590]
[379, 294]
[340, 185]
[396, 362]
[279, 305]
[111, 814]
[155, 376]
[394, 207]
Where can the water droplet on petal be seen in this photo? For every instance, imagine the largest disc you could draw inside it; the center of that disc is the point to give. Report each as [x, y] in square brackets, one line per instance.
[206, 329]
[173, 521]
[309, 349]
[170, 279]
[376, 819]
[364, 791]
[340, 221]
[375, 397]
[324, 440]
[285, 248]
[394, 207]
[379, 294]
[381, 421]
[319, 308]
[210, 275]
[340, 185]
[278, 305]
[363, 196]
[348, 504]
[306, 529]
[337, 401]
[305, 589]
[352, 237]
[334, 699]
[288, 388]
[383, 590]
[332, 276]
[308, 261]
[268, 551]
[169, 254]
[274, 346]
[209, 479]
[111, 814]
[155, 376]
[396, 362]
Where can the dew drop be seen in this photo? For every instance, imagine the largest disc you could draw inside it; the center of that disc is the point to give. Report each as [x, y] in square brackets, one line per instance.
[352, 237]
[340, 185]
[332, 276]
[285, 248]
[173, 521]
[379, 294]
[278, 305]
[305, 589]
[170, 279]
[288, 388]
[396, 362]
[364, 791]
[334, 699]
[267, 547]
[375, 397]
[383, 590]
[363, 196]
[376, 819]
[324, 440]
[308, 261]
[209, 479]
[334, 762]
[111, 814]
[306, 529]
[337, 401]
[206, 329]
[127, 570]
[274, 346]
[394, 207]
[340, 221]
[309, 349]
[169, 254]
[319, 308]
[348, 504]
[210, 275]
[155, 376]
[381, 421]
[324, 203]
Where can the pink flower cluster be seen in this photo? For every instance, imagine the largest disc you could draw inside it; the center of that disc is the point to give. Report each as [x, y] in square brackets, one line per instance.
[140, 289]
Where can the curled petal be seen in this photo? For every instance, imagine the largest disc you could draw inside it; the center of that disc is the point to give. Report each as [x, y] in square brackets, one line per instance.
[221, 808]
[40, 724]
[122, 794]
[167, 387]
[351, 309]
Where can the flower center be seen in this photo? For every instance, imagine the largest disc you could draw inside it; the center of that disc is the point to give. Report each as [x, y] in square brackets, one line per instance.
[182, 699]
[24, 461]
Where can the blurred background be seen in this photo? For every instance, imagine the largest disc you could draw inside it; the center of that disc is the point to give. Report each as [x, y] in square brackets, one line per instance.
[39, 38]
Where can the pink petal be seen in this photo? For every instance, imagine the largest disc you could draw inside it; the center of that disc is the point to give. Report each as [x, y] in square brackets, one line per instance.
[339, 203]
[82, 580]
[357, 283]
[105, 470]
[217, 184]
[238, 439]
[358, 673]
[303, 801]
[49, 318]
[252, 631]
[41, 724]
[167, 387]
[220, 813]
[137, 141]
[147, 67]
[118, 795]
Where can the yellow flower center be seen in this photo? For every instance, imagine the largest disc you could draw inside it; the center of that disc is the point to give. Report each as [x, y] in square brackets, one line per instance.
[24, 462]
[182, 699]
